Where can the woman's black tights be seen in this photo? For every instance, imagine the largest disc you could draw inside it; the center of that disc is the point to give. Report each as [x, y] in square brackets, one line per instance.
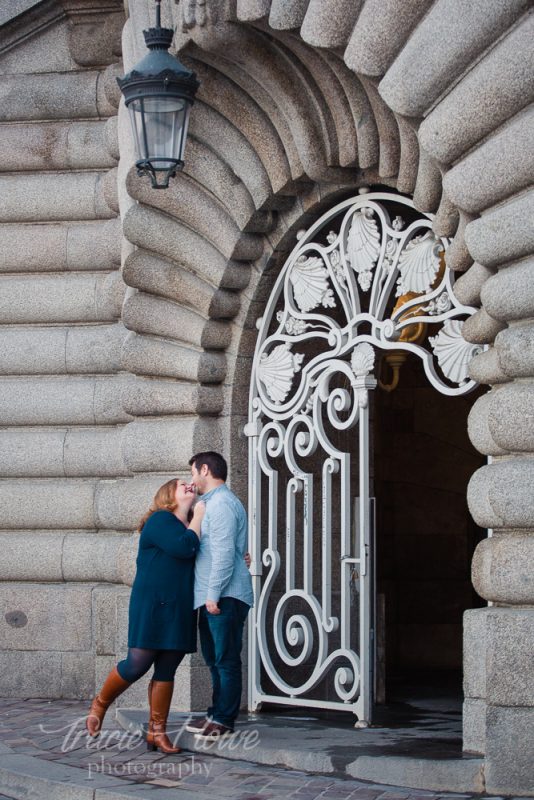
[139, 660]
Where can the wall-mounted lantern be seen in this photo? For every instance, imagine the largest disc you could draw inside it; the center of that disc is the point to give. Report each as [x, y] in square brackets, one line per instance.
[159, 92]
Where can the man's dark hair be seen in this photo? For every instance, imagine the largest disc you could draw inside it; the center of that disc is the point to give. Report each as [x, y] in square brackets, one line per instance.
[214, 462]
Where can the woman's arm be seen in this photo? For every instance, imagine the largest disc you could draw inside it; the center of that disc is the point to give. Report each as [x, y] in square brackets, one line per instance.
[198, 515]
[165, 531]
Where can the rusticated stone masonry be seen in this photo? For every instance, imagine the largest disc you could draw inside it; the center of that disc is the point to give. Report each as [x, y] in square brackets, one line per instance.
[301, 100]
[122, 355]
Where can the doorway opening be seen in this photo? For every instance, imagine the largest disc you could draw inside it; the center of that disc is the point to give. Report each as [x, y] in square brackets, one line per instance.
[425, 537]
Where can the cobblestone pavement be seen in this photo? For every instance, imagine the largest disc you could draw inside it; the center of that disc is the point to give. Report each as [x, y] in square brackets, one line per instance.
[53, 731]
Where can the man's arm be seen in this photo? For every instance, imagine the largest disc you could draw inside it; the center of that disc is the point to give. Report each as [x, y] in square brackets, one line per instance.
[223, 529]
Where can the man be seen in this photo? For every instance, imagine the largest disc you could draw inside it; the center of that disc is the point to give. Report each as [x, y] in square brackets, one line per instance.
[223, 592]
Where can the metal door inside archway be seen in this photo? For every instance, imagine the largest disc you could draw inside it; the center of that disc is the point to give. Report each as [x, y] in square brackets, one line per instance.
[369, 274]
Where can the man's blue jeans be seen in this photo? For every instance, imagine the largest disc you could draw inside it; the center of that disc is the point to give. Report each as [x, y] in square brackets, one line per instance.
[221, 639]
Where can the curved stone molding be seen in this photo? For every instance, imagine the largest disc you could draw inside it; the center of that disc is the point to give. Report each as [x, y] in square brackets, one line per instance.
[500, 494]
[503, 569]
[66, 557]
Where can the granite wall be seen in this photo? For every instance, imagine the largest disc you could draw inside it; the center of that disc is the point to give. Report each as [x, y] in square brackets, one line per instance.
[125, 355]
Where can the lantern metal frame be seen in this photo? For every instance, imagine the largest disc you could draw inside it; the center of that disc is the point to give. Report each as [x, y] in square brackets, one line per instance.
[158, 75]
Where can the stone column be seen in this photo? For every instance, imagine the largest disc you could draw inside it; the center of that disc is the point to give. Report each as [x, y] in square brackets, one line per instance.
[499, 679]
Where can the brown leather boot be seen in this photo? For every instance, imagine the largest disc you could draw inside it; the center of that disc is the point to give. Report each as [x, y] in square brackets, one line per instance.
[113, 686]
[149, 688]
[160, 697]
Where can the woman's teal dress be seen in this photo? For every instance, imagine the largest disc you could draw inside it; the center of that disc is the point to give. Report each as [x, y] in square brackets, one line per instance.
[161, 603]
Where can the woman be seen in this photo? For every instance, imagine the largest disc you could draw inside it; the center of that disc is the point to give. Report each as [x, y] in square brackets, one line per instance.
[162, 622]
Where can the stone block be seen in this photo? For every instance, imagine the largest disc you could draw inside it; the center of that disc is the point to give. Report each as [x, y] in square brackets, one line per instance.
[52, 197]
[78, 675]
[31, 452]
[481, 328]
[509, 766]
[155, 231]
[120, 504]
[428, 189]
[143, 355]
[62, 401]
[468, 286]
[73, 246]
[104, 617]
[511, 416]
[122, 602]
[479, 428]
[458, 258]
[189, 202]
[49, 96]
[18, 556]
[474, 187]
[126, 559]
[63, 298]
[493, 91]
[474, 726]
[380, 31]
[438, 775]
[150, 397]
[284, 15]
[510, 645]
[93, 451]
[94, 348]
[96, 40]
[46, 617]
[329, 24]
[36, 351]
[55, 146]
[462, 37]
[503, 568]
[91, 557]
[103, 665]
[160, 277]
[55, 505]
[95, 245]
[485, 368]
[475, 652]
[30, 673]
[25, 52]
[515, 347]
[509, 295]
[504, 234]
[154, 316]
[159, 444]
[500, 494]
[107, 400]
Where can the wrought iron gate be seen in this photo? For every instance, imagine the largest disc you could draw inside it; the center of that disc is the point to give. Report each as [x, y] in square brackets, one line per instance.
[369, 275]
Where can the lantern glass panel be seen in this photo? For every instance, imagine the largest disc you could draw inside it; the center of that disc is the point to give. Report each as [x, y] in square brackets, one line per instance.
[159, 128]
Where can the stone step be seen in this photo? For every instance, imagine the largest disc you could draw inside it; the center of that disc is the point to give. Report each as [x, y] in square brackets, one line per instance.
[25, 777]
[366, 754]
[438, 775]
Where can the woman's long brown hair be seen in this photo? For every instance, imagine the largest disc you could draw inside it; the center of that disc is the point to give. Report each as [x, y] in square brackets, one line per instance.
[165, 498]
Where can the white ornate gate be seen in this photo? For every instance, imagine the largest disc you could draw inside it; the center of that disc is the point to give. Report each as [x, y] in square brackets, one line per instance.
[370, 274]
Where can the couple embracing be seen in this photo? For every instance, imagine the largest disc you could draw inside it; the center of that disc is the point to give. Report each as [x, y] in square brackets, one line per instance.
[189, 558]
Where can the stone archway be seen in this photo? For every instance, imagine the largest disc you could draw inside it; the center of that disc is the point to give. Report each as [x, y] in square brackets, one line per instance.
[301, 99]
[367, 278]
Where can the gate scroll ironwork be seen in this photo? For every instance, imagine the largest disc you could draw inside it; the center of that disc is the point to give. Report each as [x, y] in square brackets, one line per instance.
[357, 281]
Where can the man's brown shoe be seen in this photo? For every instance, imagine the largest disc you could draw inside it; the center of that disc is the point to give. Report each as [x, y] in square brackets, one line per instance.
[213, 732]
[197, 725]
